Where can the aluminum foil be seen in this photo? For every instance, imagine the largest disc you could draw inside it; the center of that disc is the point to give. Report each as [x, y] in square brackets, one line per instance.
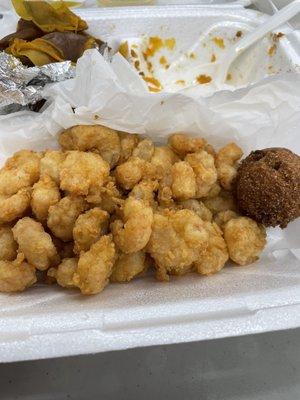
[21, 85]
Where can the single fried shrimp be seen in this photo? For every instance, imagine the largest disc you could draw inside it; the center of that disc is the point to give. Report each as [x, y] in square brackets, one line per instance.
[183, 144]
[144, 150]
[64, 273]
[15, 206]
[198, 207]
[51, 164]
[130, 172]
[163, 158]
[177, 240]
[45, 193]
[89, 227]
[203, 165]
[128, 142]
[183, 181]
[226, 162]
[214, 191]
[20, 171]
[83, 174]
[8, 245]
[96, 138]
[62, 216]
[95, 266]
[224, 216]
[17, 275]
[223, 202]
[245, 240]
[35, 243]
[129, 266]
[145, 190]
[133, 232]
[214, 257]
[111, 197]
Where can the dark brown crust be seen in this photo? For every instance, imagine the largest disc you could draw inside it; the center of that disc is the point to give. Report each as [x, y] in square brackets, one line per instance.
[26, 30]
[267, 186]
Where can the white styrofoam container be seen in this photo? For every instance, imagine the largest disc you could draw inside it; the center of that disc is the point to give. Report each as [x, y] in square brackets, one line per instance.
[48, 322]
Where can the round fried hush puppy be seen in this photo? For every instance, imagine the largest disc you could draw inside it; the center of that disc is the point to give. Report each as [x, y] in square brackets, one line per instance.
[64, 273]
[268, 186]
[198, 207]
[62, 216]
[177, 240]
[8, 245]
[17, 275]
[89, 227]
[45, 194]
[226, 162]
[20, 171]
[183, 144]
[83, 174]
[129, 266]
[35, 243]
[245, 240]
[183, 181]
[128, 142]
[214, 257]
[133, 233]
[95, 138]
[51, 164]
[224, 216]
[95, 266]
[14, 206]
[203, 165]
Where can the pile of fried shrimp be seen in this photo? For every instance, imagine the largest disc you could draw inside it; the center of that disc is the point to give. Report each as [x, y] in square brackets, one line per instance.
[110, 205]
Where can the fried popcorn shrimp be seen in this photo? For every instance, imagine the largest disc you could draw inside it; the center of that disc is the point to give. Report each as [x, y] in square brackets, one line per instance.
[214, 190]
[245, 240]
[35, 243]
[223, 202]
[50, 164]
[17, 275]
[8, 245]
[64, 249]
[133, 233]
[129, 266]
[128, 142]
[20, 171]
[183, 181]
[95, 138]
[224, 216]
[89, 227]
[177, 240]
[64, 273]
[163, 158]
[83, 174]
[226, 162]
[111, 197]
[45, 194]
[214, 257]
[62, 216]
[15, 206]
[183, 144]
[144, 150]
[95, 266]
[198, 207]
[130, 173]
[203, 165]
[144, 190]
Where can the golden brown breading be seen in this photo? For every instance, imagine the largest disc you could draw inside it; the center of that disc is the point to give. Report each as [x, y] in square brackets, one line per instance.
[223, 202]
[183, 144]
[20, 171]
[62, 216]
[64, 273]
[177, 240]
[89, 227]
[96, 138]
[129, 266]
[45, 193]
[214, 257]
[51, 164]
[183, 181]
[144, 150]
[130, 172]
[226, 162]
[111, 197]
[224, 216]
[35, 243]
[163, 158]
[145, 190]
[17, 275]
[198, 207]
[95, 266]
[133, 232]
[8, 245]
[245, 240]
[14, 206]
[128, 143]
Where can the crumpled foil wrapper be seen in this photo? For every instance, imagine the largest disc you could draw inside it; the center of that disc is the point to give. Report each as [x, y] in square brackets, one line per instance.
[22, 86]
